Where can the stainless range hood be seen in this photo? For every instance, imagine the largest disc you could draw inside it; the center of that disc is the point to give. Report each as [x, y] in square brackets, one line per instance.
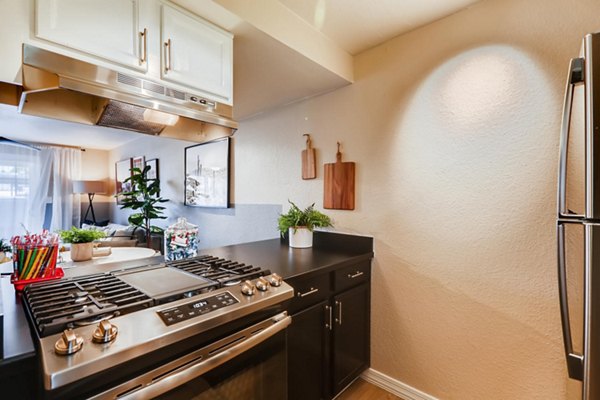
[60, 87]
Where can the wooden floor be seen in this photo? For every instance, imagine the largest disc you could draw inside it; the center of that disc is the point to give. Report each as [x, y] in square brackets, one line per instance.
[362, 390]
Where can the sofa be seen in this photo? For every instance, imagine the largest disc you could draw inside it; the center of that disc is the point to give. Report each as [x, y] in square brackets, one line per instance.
[126, 236]
[119, 235]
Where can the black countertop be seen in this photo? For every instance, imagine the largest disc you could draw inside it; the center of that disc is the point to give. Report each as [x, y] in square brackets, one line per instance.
[329, 251]
[288, 262]
[18, 343]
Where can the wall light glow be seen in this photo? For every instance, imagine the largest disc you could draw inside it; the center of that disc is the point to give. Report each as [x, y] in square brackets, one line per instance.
[478, 85]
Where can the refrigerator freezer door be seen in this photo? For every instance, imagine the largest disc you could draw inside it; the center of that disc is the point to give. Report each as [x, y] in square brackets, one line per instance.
[571, 260]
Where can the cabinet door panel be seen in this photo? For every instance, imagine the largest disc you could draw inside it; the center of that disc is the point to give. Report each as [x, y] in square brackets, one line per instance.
[196, 54]
[307, 350]
[351, 335]
[107, 29]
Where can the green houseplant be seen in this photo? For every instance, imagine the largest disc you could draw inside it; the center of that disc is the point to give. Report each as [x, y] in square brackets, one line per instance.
[81, 242]
[144, 198]
[299, 224]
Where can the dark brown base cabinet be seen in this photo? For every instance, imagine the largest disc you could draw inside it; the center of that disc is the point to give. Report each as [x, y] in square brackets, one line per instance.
[329, 339]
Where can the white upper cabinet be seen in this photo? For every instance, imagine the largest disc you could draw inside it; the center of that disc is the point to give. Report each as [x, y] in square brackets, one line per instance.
[196, 54]
[109, 29]
[153, 37]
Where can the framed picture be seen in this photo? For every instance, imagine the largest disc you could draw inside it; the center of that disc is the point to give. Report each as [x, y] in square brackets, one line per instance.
[153, 171]
[122, 172]
[138, 162]
[207, 174]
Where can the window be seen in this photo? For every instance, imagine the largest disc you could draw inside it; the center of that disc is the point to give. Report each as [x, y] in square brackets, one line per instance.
[15, 175]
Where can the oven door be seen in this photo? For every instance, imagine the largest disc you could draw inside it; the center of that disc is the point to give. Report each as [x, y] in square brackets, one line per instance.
[250, 364]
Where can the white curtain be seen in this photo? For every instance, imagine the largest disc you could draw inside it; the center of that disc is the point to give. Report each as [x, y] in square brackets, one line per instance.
[59, 168]
[40, 178]
[19, 165]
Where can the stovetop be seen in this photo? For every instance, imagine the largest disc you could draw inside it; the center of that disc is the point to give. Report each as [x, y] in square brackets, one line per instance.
[89, 324]
[85, 300]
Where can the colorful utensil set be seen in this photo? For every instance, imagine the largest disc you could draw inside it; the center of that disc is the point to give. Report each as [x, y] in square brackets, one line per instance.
[34, 256]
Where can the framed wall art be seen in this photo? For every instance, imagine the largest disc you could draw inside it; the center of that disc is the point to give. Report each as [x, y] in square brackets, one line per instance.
[207, 174]
[153, 171]
[138, 162]
[122, 172]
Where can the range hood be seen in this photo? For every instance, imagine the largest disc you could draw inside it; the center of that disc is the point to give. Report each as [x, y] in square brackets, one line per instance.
[61, 87]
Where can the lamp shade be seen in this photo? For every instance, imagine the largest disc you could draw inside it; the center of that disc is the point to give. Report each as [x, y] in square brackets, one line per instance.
[89, 187]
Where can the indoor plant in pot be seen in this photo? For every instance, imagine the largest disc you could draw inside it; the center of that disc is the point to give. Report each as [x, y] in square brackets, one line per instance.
[81, 242]
[144, 198]
[299, 224]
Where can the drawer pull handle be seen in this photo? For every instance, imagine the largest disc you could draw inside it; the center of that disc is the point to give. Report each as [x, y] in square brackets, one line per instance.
[356, 275]
[311, 291]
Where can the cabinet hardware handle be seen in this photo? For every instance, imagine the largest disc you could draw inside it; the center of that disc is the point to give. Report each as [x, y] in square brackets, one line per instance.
[339, 306]
[329, 324]
[356, 275]
[144, 44]
[311, 291]
[168, 55]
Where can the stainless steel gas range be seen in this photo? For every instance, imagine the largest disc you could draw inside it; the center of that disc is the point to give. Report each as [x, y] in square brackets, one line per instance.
[198, 328]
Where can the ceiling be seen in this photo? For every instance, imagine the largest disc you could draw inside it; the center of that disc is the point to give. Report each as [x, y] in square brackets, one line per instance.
[284, 51]
[357, 25]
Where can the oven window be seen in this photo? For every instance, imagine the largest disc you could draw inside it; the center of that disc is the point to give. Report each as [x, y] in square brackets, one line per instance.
[258, 374]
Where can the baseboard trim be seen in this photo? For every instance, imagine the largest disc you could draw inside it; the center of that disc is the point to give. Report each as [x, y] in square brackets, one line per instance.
[394, 386]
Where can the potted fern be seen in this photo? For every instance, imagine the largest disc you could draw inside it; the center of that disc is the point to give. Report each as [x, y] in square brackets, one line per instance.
[299, 224]
[81, 240]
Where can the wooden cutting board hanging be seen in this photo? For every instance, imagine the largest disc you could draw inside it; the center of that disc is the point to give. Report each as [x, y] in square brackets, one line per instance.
[309, 164]
[339, 184]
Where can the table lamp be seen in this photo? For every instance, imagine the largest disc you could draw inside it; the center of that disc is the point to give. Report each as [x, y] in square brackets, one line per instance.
[91, 188]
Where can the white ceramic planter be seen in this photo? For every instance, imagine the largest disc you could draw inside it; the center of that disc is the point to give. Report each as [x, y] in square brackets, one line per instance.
[82, 251]
[301, 238]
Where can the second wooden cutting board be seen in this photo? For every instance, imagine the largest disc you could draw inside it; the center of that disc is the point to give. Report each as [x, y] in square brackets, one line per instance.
[339, 184]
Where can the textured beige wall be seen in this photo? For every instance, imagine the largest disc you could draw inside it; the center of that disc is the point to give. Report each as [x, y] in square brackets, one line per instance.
[454, 128]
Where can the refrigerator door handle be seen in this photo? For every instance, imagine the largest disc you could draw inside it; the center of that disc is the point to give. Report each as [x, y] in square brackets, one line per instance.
[574, 360]
[575, 77]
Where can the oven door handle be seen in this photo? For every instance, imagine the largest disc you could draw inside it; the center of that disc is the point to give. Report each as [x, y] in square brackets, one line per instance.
[183, 370]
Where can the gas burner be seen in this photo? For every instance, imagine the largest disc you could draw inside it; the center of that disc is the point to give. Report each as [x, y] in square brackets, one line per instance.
[81, 301]
[225, 272]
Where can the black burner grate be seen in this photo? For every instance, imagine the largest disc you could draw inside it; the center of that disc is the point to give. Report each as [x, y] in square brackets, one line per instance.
[81, 301]
[226, 272]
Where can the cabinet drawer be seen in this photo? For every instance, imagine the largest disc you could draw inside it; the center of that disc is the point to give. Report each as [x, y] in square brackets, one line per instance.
[309, 291]
[351, 276]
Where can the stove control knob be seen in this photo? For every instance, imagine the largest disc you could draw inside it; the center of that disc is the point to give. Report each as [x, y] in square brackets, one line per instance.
[262, 284]
[248, 288]
[68, 343]
[275, 280]
[105, 332]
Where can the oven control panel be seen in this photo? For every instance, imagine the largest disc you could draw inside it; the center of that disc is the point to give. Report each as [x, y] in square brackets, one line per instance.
[193, 309]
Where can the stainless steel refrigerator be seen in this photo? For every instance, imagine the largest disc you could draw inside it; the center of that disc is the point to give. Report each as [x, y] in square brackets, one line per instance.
[578, 222]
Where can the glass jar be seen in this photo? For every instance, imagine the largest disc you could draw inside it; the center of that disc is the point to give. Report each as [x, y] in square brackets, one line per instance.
[181, 240]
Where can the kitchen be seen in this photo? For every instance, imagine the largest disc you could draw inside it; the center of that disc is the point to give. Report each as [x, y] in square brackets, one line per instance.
[454, 127]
